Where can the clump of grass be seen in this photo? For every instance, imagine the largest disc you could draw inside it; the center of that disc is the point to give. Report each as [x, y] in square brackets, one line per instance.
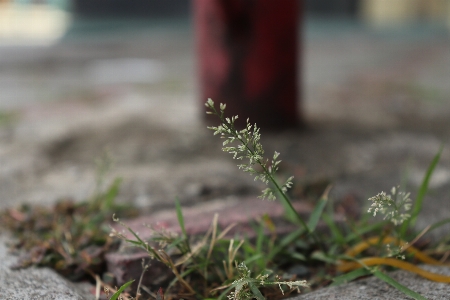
[352, 251]
[218, 267]
[207, 268]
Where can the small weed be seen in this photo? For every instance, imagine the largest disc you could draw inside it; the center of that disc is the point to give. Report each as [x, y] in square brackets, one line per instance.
[218, 267]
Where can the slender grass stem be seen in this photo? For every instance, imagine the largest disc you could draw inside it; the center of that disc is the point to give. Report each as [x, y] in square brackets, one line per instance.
[231, 128]
[253, 151]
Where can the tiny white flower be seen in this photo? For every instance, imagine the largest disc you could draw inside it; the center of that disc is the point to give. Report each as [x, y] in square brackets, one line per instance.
[393, 206]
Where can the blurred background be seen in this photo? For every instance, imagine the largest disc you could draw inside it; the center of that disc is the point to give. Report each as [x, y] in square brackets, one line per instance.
[55, 49]
[81, 76]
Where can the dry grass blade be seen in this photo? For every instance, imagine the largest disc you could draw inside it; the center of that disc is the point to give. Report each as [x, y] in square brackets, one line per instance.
[168, 261]
[375, 261]
[213, 236]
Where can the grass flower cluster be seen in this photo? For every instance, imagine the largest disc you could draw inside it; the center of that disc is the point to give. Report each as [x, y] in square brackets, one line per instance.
[394, 207]
[247, 288]
[248, 148]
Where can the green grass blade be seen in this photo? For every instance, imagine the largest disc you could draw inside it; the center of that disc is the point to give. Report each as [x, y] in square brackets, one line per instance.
[116, 295]
[289, 213]
[363, 229]
[318, 210]
[299, 256]
[320, 256]
[181, 223]
[256, 293]
[136, 243]
[338, 280]
[135, 235]
[335, 231]
[180, 217]
[421, 194]
[284, 242]
[398, 286]
[424, 187]
[260, 238]
[439, 224]
[256, 257]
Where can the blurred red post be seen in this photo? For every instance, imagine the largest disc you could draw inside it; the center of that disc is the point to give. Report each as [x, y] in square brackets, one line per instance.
[248, 58]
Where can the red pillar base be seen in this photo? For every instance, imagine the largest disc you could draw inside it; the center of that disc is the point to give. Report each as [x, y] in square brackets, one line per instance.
[247, 56]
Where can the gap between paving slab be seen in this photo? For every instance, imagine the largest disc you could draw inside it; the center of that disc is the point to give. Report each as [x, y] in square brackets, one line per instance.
[126, 264]
[238, 210]
[230, 210]
[44, 283]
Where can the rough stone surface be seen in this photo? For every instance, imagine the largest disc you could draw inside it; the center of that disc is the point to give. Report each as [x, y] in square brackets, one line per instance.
[375, 289]
[376, 104]
[33, 283]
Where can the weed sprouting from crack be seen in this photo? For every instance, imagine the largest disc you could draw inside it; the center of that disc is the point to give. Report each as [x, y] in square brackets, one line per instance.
[217, 267]
[249, 148]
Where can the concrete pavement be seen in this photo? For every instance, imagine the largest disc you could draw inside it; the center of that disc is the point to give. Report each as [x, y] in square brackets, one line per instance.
[377, 105]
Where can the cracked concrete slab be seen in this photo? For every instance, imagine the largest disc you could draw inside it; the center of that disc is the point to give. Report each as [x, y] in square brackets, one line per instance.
[376, 106]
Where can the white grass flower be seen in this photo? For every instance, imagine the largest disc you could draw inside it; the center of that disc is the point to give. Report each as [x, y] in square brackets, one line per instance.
[245, 145]
[243, 285]
[394, 207]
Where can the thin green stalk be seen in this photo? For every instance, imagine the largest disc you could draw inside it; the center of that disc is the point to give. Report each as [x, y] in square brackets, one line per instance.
[286, 199]
[421, 194]
[299, 218]
[251, 148]
[266, 171]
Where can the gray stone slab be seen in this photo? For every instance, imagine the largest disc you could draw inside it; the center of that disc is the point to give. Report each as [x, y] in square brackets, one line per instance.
[374, 289]
[377, 107]
[32, 283]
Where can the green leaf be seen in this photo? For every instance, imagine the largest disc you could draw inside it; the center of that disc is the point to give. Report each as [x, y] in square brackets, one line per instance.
[319, 255]
[255, 291]
[318, 210]
[291, 215]
[116, 295]
[256, 257]
[139, 240]
[260, 238]
[398, 286]
[439, 224]
[180, 217]
[298, 256]
[421, 194]
[338, 280]
[362, 229]
[335, 231]
[284, 242]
